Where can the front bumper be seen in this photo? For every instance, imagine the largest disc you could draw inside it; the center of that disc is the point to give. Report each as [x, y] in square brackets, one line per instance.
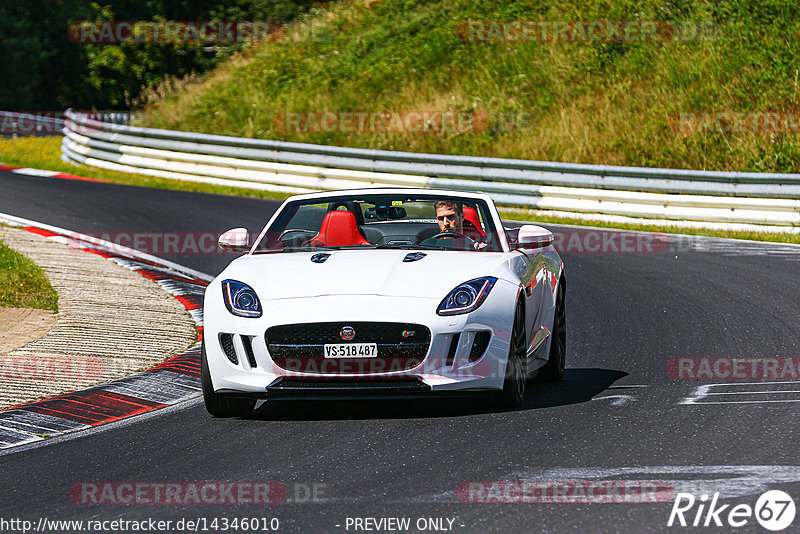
[446, 366]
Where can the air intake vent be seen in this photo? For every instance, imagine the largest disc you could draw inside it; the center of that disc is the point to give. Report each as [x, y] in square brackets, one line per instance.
[451, 354]
[414, 256]
[247, 341]
[479, 345]
[226, 342]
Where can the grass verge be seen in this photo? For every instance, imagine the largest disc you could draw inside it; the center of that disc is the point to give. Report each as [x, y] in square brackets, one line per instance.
[23, 284]
[695, 98]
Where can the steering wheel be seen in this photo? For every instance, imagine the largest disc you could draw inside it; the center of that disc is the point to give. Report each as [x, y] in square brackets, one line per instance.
[443, 235]
[449, 235]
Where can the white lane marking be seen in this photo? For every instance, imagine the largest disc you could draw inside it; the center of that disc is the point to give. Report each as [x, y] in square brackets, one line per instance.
[29, 438]
[754, 392]
[36, 172]
[731, 481]
[37, 422]
[750, 402]
[620, 399]
[164, 387]
[701, 393]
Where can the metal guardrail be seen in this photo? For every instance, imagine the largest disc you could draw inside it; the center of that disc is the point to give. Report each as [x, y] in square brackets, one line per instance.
[677, 195]
[44, 123]
[13, 123]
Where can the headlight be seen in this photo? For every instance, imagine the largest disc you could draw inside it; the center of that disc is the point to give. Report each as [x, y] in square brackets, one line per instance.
[240, 299]
[467, 297]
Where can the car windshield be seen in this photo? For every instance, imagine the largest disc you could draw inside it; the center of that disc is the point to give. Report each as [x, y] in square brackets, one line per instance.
[382, 221]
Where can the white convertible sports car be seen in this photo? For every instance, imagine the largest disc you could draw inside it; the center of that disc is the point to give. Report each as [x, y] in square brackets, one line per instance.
[383, 292]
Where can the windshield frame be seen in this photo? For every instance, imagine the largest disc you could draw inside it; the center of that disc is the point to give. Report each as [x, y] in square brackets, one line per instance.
[289, 208]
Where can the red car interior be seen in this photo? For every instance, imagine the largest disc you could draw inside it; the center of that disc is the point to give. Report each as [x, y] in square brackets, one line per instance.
[471, 217]
[338, 229]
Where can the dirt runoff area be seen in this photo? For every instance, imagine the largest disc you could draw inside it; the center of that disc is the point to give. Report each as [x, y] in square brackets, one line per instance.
[20, 326]
[111, 322]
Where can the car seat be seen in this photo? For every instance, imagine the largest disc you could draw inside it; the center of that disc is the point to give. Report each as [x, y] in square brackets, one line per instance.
[472, 224]
[338, 229]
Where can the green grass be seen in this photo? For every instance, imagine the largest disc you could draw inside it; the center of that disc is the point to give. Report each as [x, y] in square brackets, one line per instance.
[22, 283]
[598, 102]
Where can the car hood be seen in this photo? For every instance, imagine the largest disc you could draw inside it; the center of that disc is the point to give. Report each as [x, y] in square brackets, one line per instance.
[362, 272]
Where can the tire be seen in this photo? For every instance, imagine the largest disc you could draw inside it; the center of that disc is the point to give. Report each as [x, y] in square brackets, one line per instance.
[553, 370]
[516, 378]
[217, 404]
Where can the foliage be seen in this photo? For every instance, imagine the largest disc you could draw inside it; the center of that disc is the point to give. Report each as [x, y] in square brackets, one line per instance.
[45, 70]
[589, 102]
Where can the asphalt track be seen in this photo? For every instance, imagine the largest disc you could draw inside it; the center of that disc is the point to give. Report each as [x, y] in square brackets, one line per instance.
[618, 415]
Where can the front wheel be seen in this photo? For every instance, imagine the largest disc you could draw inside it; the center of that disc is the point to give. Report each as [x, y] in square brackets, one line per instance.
[516, 378]
[217, 404]
[553, 370]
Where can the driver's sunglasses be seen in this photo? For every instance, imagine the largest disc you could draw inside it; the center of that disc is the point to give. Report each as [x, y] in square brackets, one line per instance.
[451, 217]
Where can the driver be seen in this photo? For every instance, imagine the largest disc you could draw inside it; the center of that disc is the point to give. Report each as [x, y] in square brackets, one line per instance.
[450, 216]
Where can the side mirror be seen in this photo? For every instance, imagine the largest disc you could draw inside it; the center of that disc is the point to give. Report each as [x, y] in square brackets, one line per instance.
[532, 236]
[236, 240]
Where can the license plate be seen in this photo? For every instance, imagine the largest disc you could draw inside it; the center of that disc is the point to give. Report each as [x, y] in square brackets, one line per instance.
[352, 350]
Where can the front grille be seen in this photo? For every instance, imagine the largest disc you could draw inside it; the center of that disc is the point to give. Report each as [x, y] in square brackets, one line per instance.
[226, 342]
[479, 345]
[300, 347]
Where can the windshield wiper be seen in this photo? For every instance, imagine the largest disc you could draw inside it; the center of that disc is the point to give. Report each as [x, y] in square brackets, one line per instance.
[409, 247]
[307, 249]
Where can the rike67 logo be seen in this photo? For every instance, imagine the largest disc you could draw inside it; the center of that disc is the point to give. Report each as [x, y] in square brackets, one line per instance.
[774, 510]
